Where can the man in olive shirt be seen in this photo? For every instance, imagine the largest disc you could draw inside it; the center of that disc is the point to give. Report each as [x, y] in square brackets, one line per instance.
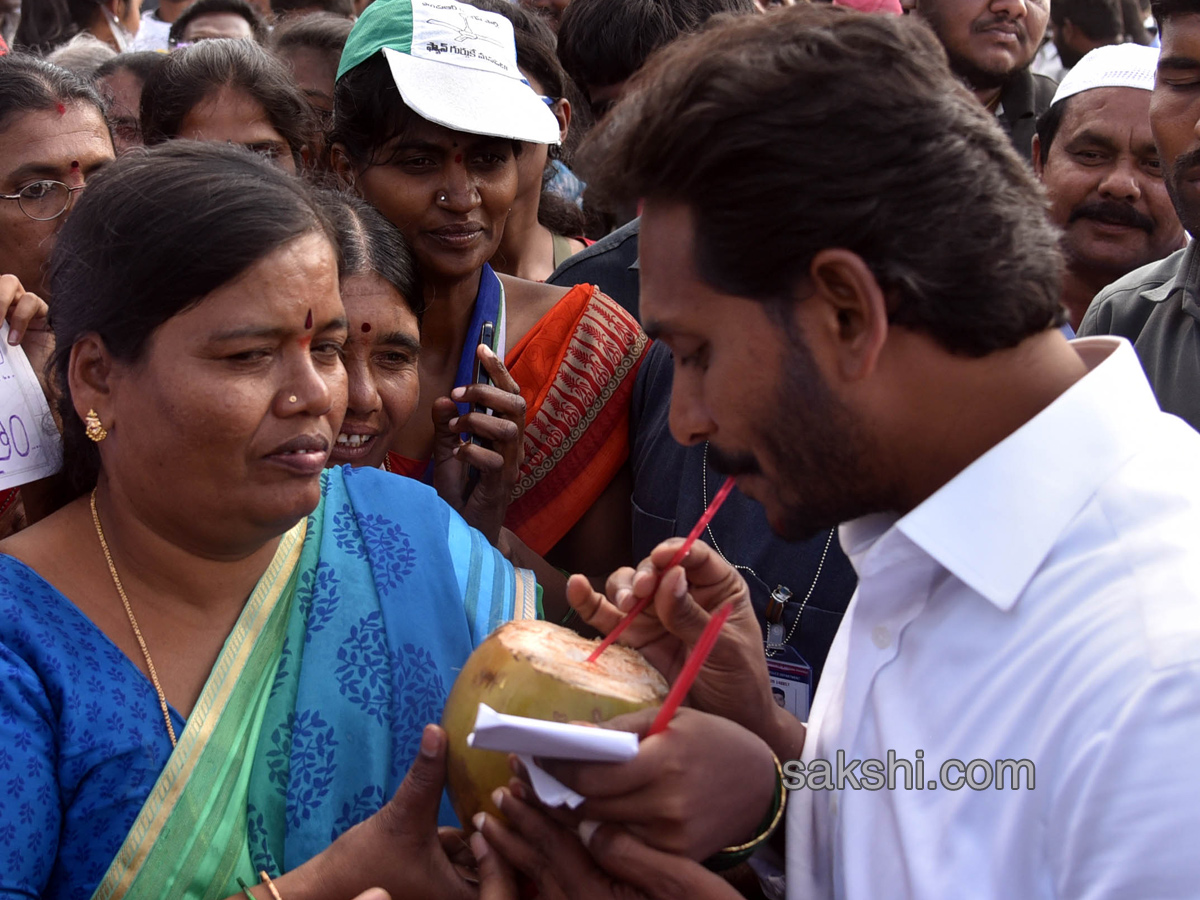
[1157, 307]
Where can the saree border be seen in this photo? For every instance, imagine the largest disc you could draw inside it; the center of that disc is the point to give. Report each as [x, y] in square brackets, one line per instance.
[203, 721]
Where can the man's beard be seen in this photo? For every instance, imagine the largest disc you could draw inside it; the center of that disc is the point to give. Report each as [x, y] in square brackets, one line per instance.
[813, 453]
[1189, 217]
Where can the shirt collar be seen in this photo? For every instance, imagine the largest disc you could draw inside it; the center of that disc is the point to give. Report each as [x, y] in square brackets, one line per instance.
[1186, 279]
[995, 522]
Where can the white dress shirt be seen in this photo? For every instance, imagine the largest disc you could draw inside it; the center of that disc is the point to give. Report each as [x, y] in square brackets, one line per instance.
[1042, 605]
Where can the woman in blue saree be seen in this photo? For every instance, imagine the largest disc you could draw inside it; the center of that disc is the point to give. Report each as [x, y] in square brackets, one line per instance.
[219, 657]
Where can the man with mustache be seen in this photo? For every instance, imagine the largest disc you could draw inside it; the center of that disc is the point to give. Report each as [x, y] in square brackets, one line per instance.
[1096, 157]
[991, 44]
[1158, 307]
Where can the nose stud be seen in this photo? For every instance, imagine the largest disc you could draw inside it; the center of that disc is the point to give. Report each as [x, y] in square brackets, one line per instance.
[292, 399]
[441, 198]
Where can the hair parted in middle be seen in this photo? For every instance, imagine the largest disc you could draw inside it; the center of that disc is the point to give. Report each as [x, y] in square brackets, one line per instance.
[826, 128]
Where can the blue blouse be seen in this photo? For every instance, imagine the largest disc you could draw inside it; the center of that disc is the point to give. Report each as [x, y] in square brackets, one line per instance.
[82, 741]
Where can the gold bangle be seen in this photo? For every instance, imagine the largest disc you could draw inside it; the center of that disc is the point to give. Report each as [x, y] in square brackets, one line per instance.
[763, 835]
[266, 879]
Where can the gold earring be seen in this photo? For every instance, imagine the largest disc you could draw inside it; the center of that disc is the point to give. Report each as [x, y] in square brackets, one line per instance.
[92, 427]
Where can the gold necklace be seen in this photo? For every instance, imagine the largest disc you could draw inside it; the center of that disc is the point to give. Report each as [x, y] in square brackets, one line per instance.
[137, 632]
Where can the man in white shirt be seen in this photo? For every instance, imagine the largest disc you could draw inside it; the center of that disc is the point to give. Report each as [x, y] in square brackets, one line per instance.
[156, 25]
[856, 277]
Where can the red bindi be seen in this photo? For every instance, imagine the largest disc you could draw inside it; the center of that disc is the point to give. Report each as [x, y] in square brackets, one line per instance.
[458, 157]
[366, 326]
[308, 320]
[74, 164]
[62, 110]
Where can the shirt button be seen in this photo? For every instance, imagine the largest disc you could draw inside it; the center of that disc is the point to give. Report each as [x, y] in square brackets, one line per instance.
[881, 637]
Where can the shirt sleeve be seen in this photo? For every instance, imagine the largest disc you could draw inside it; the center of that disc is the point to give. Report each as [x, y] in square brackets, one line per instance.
[30, 807]
[493, 591]
[1123, 825]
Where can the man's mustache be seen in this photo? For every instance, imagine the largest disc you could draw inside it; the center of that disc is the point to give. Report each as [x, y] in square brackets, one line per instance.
[1112, 212]
[732, 463]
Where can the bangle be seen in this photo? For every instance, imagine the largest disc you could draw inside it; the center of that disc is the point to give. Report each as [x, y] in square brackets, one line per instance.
[266, 879]
[245, 890]
[732, 856]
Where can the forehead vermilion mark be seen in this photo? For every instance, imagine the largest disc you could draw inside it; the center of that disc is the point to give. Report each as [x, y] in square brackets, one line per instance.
[62, 110]
[366, 326]
[308, 320]
[458, 158]
[74, 164]
[305, 342]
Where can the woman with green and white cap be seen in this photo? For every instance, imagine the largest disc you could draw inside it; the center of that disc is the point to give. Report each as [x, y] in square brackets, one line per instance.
[430, 112]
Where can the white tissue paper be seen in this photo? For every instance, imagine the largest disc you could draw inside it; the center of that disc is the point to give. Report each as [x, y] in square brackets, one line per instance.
[550, 740]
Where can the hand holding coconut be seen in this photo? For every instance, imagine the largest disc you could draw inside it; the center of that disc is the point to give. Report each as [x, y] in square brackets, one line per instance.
[614, 865]
[733, 682]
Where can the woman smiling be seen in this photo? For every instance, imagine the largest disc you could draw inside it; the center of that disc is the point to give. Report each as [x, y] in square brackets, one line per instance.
[220, 657]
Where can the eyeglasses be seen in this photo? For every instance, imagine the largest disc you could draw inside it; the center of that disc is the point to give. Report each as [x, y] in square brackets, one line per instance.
[44, 200]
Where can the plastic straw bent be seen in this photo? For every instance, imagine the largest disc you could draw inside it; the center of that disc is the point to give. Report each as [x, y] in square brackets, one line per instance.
[641, 605]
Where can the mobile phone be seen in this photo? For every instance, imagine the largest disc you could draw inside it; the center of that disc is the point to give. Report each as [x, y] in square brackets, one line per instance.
[486, 334]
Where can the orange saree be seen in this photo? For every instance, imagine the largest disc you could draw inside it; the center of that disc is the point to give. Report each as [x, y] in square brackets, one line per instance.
[576, 368]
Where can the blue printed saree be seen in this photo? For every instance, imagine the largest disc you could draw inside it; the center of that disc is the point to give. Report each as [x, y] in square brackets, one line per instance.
[347, 647]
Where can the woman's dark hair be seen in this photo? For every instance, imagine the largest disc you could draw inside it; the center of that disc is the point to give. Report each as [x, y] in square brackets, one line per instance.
[142, 64]
[368, 244]
[207, 8]
[841, 130]
[154, 233]
[341, 8]
[323, 32]
[30, 84]
[603, 42]
[195, 73]
[45, 24]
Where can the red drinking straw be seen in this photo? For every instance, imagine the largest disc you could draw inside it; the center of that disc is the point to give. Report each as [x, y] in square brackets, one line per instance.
[691, 669]
[675, 560]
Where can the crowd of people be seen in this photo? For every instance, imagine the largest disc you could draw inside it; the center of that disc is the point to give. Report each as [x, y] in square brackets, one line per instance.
[370, 325]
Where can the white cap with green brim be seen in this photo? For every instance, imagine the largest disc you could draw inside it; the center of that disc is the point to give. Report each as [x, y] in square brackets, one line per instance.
[454, 65]
[1117, 65]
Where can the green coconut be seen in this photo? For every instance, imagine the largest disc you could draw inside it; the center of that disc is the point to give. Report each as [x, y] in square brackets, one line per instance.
[539, 670]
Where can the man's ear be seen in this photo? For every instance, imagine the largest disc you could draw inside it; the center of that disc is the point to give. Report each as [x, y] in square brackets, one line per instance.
[90, 377]
[848, 307]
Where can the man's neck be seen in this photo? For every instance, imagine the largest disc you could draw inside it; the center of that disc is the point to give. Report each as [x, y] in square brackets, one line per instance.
[1079, 289]
[989, 98]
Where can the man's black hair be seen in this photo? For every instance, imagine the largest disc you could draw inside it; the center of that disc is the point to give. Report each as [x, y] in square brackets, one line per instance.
[46, 24]
[603, 42]
[207, 7]
[842, 131]
[344, 8]
[1166, 9]
[1100, 20]
[323, 32]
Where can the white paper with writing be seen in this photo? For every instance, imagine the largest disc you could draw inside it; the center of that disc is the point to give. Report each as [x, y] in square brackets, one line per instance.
[30, 448]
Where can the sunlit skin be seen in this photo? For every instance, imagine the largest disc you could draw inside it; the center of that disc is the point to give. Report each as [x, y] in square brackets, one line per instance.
[70, 147]
[1175, 115]
[380, 357]
[217, 25]
[1104, 181]
[987, 40]
[122, 95]
[232, 116]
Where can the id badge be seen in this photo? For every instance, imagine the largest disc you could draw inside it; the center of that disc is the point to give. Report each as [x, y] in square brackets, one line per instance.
[791, 681]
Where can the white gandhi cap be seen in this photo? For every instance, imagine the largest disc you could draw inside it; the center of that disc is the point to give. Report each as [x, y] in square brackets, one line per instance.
[1117, 65]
